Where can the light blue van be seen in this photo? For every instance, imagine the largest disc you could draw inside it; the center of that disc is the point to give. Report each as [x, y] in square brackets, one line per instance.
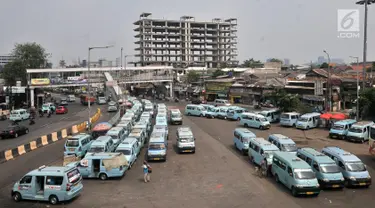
[255, 121]
[118, 134]
[234, 113]
[289, 119]
[272, 115]
[102, 144]
[212, 112]
[308, 121]
[360, 131]
[103, 165]
[49, 183]
[157, 149]
[242, 138]
[78, 145]
[159, 133]
[207, 106]
[284, 143]
[129, 117]
[143, 125]
[195, 110]
[261, 150]
[223, 112]
[162, 124]
[352, 168]
[326, 170]
[140, 135]
[127, 125]
[340, 129]
[295, 174]
[130, 149]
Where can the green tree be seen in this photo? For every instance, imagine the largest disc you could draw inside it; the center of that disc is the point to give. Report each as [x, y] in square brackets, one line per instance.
[284, 101]
[275, 60]
[251, 63]
[324, 66]
[217, 73]
[27, 56]
[62, 63]
[367, 103]
[192, 76]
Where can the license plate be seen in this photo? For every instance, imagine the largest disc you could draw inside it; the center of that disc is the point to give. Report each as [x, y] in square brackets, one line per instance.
[309, 193]
[72, 149]
[186, 151]
[362, 184]
[334, 136]
[156, 158]
[335, 186]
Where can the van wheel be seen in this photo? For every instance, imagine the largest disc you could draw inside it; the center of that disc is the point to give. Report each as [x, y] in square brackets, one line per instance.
[17, 197]
[277, 179]
[261, 127]
[189, 114]
[225, 118]
[53, 199]
[294, 191]
[201, 115]
[245, 125]
[308, 127]
[103, 176]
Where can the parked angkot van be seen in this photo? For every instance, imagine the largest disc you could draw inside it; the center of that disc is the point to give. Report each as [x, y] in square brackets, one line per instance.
[254, 120]
[360, 131]
[289, 119]
[261, 150]
[295, 174]
[308, 121]
[272, 115]
[284, 143]
[78, 145]
[242, 138]
[49, 183]
[340, 129]
[326, 170]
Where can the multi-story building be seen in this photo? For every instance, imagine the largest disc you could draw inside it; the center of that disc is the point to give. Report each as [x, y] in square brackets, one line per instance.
[186, 42]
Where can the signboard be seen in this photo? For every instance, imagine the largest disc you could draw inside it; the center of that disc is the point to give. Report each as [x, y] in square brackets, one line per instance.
[43, 81]
[16, 90]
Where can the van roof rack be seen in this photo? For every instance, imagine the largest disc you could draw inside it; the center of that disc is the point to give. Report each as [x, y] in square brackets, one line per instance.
[42, 167]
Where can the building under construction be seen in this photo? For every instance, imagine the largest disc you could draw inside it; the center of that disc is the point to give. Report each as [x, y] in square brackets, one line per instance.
[186, 42]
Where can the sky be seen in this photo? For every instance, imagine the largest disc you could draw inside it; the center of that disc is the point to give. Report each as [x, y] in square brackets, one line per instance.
[296, 29]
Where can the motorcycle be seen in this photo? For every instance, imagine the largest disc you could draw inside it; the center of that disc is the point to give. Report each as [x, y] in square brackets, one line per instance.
[49, 114]
[32, 121]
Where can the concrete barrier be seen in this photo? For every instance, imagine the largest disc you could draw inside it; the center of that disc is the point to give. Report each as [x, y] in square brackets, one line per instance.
[45, 140]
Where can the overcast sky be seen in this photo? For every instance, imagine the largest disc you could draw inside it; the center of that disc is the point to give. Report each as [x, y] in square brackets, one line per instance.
[296, 29]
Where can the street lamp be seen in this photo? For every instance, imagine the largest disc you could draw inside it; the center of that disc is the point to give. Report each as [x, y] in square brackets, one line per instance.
[366, 3]
[329, 82]
[88, 80]
[358, 88]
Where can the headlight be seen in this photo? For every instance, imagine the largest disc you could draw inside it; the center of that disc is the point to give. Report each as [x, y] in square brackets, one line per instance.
[148, 154]
[317, 185]
[368, 177]
[342, 179]
[352, 178]
[325, 180]
[163, 153]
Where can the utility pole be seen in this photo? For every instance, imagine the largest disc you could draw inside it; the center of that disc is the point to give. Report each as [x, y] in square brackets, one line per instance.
[358, 88]
[329, 87]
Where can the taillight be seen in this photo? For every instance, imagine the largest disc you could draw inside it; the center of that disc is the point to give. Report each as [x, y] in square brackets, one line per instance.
[68, 186]
[11, 132]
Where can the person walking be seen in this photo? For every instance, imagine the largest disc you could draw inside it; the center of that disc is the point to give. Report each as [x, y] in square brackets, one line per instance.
[146, 172]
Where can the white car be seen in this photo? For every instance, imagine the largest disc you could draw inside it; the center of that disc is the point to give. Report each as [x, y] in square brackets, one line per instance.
[112, 107]
[19, 115]
[71, 98]
[102, 100]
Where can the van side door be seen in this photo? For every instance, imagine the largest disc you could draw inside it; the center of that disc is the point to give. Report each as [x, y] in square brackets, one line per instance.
[27, 187]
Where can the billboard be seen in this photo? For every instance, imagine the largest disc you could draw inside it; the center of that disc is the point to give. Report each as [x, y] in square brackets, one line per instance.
[42, 81]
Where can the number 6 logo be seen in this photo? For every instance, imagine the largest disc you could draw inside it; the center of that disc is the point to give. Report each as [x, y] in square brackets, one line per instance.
[348, 20]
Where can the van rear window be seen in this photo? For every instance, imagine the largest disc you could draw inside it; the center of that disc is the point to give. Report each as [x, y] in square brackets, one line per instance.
[74, 176]
[72, 143]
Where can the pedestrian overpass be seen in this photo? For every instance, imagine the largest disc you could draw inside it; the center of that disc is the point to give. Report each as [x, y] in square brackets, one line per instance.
[111, 76]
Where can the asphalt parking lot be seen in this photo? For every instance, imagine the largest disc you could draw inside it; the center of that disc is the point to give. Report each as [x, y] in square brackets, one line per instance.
[215, 176]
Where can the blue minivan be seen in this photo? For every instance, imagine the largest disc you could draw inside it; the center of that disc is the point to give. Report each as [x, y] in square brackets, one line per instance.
[352, 168]
[234, 113]
[340, 129]
[326, 170]
[78, 145]
[242, 138]
[284, 143]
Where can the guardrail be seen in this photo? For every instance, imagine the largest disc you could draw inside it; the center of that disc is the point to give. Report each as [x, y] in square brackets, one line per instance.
[45, 140]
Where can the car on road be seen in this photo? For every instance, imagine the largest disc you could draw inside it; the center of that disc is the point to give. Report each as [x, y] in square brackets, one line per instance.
[71, 98]
[19, 115]
[102, 100]
[112, 106]
[14, 131]
[61, 110]
[221, 102]
[64, 101]
[48, 107]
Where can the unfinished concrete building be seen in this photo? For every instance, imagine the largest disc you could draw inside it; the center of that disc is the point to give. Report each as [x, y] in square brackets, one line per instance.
[186, 42]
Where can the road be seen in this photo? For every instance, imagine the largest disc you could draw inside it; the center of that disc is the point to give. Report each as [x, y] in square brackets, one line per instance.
[216, 176]
[76, 113]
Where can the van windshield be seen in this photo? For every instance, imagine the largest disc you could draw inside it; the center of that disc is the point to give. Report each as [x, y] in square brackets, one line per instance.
[175, 115]
[125, 151]
[186, 139]
[72, 143]
[355, 166]
[302, 119]
[289, 147]
[96, 134]
[355, 130]
[211, 110]
[155, 146]
[284, 116]
[329, 168]
[96, 149]
[304, 174]
[262, 119]
[113, 136]
[338, 127]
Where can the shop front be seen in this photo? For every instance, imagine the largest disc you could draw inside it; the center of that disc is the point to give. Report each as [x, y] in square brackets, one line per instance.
[236, 94]
[217, 90]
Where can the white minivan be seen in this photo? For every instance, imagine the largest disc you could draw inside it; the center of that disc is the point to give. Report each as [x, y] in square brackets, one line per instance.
[19, 115]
